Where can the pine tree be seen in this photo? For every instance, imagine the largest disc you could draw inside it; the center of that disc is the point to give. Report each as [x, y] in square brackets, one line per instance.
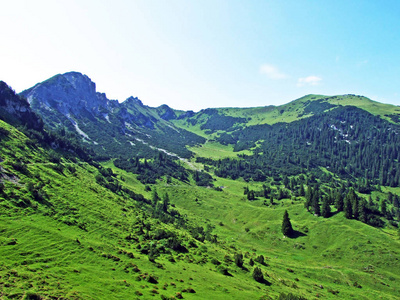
[370, 202]
[309, 196]
[165, 203]
[383, 207]
[281, 194]
[302, 192]
[325, 209]
[265, 192]
[339, 201]
[155, 198]
[396, 201]
[362, 211]
[287, 228]
[347, 208]
[353, 198]
[315, 203]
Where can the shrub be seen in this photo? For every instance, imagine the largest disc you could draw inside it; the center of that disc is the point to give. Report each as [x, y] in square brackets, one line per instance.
[251, 262]
[4, 132]
[239, 259]
[224, 270]
[260, 259]
[258, 275]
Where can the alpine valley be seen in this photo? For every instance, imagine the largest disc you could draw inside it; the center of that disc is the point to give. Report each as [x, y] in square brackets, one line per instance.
[101, 199]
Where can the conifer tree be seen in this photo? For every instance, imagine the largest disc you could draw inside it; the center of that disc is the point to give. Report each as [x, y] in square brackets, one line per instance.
[348, 212]
[383, 207]
[265, 192]
[353, 199]
[362, 211]
[339, 201]
[325, 208]
[370, 201]
[302, 192]
[287, 228]
[309, 195]
[155, 198]
[165, 203]
[315, 203]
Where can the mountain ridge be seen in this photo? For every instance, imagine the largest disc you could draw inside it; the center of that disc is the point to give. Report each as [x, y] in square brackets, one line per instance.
[70, 100]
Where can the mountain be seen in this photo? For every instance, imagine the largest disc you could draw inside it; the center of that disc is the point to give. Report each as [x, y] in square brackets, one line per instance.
[126, 222]
[341, 134]
[70, 102]
[16, 110]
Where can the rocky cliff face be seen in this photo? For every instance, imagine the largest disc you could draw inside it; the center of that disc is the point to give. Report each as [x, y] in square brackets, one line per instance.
[16, 110]
[69, 94]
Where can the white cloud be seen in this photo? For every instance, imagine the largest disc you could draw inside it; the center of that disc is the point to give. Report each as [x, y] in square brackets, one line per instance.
[309, 80]
[272, 72]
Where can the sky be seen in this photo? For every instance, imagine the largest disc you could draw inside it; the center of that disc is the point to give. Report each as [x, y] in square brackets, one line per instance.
[198, 54]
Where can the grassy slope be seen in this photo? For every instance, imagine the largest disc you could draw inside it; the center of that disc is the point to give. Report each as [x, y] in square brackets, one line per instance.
[40, 253]
[324, 256]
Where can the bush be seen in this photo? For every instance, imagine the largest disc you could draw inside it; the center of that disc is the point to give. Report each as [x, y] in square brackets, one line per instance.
[239, 259]
[251, 262]
[4, 132]
[258, 275]
[224, 270]
[20, 167]
[260, 259]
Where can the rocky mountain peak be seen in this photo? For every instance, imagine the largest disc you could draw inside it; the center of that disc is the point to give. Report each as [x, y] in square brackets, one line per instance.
[69, 93]
[133, 100]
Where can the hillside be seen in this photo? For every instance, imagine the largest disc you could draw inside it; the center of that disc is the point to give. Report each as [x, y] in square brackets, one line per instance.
[140, 223]
[71, 237]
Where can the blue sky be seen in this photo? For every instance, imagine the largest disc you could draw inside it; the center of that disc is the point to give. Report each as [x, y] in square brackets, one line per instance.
[207, 53]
